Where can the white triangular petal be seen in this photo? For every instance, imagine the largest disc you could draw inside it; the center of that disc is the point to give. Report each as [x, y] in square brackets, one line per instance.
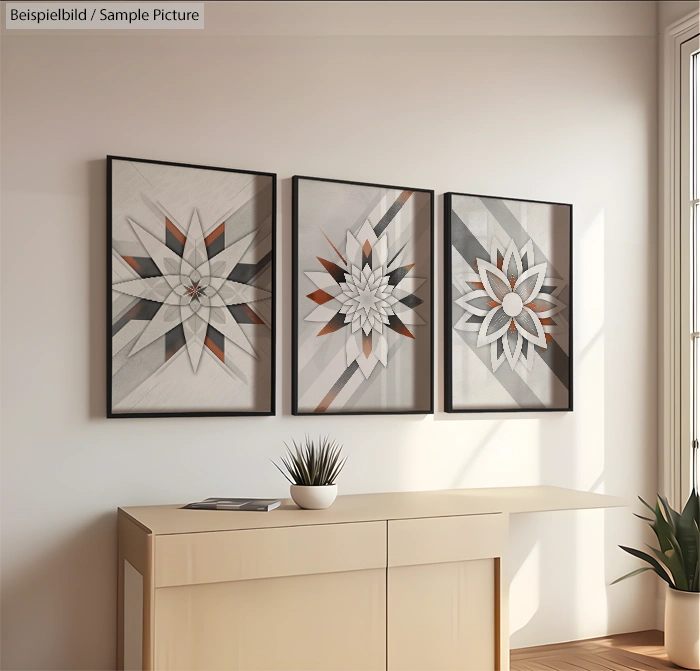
[229, 257]
[522, 324]
[512, 256]
[321, 279]
[322, 313]
[495, 282]
[466, 302]
[530, 282]
[167, 261]
[195, 252]
[486, 337]
[353, 250]
[513, 356]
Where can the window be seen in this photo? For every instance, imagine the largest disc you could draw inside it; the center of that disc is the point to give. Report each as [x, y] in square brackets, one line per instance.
[690, 194]
[679, 298]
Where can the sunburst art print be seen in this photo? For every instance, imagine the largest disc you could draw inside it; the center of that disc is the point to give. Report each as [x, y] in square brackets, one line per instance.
[508, 313]
[192, 270]
[363, 298]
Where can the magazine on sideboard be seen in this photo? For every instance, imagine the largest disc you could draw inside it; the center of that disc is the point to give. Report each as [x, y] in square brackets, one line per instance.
[222, 503]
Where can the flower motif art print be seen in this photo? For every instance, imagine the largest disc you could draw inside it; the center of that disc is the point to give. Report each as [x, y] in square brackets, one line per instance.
[374, 294]
[517, 316]
[192, 291]
[367, 302]
[508, 317]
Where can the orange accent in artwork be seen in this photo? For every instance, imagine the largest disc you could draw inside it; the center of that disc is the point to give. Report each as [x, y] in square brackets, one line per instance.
[328, 328]
[548, 337]
[213, 235]
[493, 304]
[512, 325]
[320, 296]
[539, 307]
[512, 282]
[395, 324]
[252, 315]
[333, 269]
[217, 352]
[409, 266]
[367, 344]
[133, 263]
[335, 249]
[478, 285]
[546, 321]
[366, 248]
[179, 235]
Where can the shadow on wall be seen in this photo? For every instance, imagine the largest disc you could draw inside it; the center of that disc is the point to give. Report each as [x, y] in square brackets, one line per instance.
[548, 552]
[66, 585]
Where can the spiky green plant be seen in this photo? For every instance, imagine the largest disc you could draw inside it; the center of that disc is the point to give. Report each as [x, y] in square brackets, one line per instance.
[312, 464]
[676, 559]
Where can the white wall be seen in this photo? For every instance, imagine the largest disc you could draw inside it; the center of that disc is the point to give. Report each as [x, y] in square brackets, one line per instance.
[531, 100]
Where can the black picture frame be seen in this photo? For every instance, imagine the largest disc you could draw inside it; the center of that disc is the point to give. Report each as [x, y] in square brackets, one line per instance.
[447, 324]
[108, 297]
[295, 299]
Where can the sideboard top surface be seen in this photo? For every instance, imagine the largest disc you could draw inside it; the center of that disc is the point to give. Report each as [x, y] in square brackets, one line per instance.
[171, 519]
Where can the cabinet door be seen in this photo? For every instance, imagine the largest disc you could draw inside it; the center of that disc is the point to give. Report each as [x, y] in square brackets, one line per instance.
[293, 598]
[324, 621]
[445, 606]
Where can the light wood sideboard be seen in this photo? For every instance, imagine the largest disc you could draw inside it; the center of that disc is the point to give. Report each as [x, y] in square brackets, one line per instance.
[378, 581]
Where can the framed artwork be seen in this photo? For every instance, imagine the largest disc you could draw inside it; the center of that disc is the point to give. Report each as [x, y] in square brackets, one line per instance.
[508, 304]
[190, 290]
[362, 298]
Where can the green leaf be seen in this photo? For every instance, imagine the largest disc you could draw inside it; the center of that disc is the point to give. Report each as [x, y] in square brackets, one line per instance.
[646, 504]
[631, 574]
[695, 585]
[672, 562]
[687, 538]
[650, 560]
[672, 516]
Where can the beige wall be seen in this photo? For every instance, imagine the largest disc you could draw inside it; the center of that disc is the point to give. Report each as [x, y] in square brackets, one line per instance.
[531, 100]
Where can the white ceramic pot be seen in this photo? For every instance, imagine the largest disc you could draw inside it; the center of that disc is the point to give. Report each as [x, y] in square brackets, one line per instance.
[682, 636]
[314, 498]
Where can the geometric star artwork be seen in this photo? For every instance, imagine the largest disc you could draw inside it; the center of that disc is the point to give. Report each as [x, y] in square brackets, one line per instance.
[362, 298]
[192, 276]
[508, 336]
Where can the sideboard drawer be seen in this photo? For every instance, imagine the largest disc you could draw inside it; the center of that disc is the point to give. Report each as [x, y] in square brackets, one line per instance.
[224, 556]
[436, 540]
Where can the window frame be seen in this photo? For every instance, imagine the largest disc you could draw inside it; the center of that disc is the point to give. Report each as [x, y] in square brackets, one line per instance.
[676, 360]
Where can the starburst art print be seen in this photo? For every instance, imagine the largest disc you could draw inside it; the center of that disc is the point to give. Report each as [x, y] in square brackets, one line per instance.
[191, 290]
[363, 298]
[508, 313]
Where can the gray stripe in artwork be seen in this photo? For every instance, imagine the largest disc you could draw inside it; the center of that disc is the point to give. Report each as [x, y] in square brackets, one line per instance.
[464, 241]
[311, 370]
[365, 385]
[391, 212]
[555, 357]
[509, 380]
[512, 227]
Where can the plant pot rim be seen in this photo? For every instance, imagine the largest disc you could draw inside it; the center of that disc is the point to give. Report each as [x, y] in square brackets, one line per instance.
[314, 486]
[681, 591]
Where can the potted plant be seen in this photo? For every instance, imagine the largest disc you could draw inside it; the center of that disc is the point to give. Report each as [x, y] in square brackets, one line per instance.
[312, 469]
[675, 561]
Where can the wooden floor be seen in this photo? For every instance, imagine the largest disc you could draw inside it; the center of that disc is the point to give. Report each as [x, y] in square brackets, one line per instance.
[640, 651]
